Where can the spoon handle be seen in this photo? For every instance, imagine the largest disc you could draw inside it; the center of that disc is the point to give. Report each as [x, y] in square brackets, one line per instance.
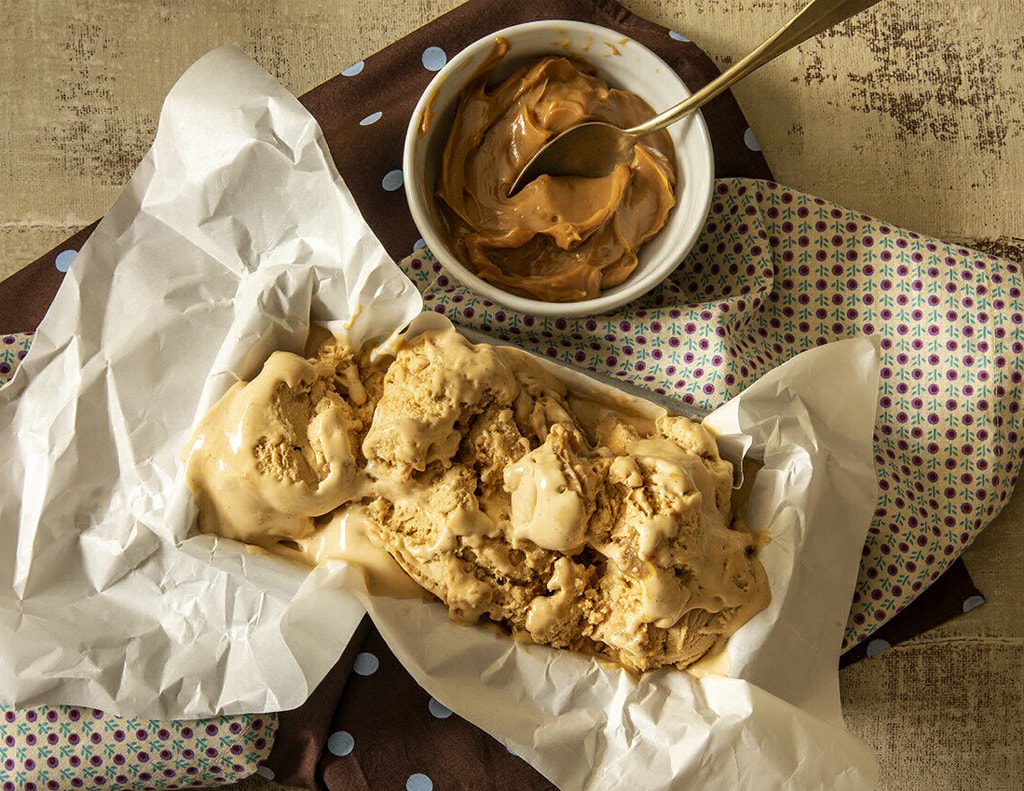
[816, 16]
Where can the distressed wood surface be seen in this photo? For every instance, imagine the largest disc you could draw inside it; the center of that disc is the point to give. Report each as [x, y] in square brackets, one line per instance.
[913, 112]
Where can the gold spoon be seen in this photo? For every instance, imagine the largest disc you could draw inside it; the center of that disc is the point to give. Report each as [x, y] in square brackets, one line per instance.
[593, 148]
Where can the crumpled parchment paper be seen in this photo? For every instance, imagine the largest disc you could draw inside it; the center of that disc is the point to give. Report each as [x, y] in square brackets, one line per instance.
[233, 234]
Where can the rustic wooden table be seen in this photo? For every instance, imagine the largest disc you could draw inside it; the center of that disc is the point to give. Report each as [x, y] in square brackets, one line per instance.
[913, 113]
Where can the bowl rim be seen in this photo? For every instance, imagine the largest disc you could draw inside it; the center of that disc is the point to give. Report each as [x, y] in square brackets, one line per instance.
[439, 249]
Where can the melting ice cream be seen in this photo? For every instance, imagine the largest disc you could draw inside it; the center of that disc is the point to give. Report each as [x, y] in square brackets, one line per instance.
[473, 468]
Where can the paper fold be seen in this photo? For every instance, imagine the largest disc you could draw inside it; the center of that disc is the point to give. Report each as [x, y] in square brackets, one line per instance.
[235, 233]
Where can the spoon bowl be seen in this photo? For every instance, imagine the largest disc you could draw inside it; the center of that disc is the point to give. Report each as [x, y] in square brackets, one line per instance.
[591, 149]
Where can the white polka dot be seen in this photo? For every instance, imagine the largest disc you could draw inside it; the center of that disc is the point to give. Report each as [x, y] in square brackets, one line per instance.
[419, 782]
[372, 118]
[973, 601]
[265, 771]
[439, 710]
[434, 58]
[340, 743]
[392, 180]
[366, 664]
[677, 36]
[750, 140]
[64, 259]
[877, 646]
[419, 244]
[353, 70]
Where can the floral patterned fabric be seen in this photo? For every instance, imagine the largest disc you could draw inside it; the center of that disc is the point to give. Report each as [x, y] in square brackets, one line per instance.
[13, 349]
[62, 747]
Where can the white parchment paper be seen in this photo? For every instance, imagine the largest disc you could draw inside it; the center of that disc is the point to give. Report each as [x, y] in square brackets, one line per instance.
[233, 235]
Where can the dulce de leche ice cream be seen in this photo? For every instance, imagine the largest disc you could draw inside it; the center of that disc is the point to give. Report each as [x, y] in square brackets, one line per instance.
[506, 496]
[560, 239]
[274, 453]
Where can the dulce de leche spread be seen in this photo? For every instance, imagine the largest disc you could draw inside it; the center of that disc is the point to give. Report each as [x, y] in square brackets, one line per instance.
[559, 239]
[472, 471]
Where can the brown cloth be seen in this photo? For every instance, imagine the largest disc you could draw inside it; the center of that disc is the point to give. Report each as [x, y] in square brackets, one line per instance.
[368, 725]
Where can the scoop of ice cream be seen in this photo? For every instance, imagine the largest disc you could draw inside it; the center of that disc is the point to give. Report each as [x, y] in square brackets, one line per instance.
[436, 385]
[681, 573]
[277, 451]
[618, 627]
[439, 533]
[552, 491]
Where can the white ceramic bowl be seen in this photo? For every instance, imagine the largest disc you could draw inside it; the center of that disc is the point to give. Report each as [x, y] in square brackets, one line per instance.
[623, 63]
